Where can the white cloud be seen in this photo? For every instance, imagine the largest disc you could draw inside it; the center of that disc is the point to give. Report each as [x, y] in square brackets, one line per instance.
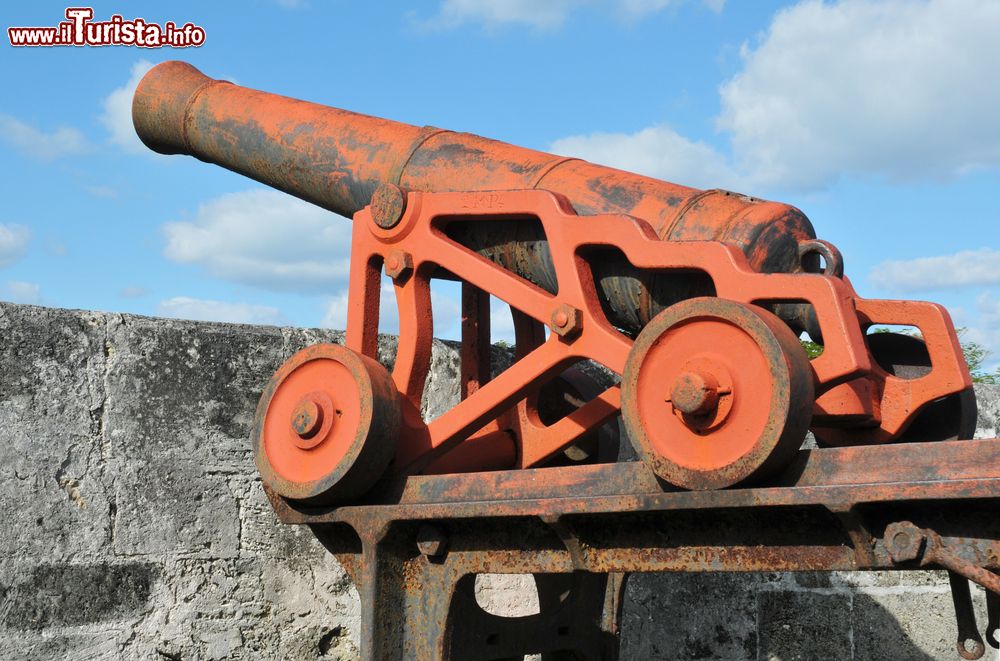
[657, 151]
[102, 191]
[501, 322]
[117, 115]
[267, 239]
[985, 328]
[543, 14]
[64, 141]
[536, 13]
[336, 311]
[18, 291]
[962, 269]
[989, 307]
[643, 7]
[183, 307]
[13, 243]
[892, 88]
[445, 309]
[133, 291]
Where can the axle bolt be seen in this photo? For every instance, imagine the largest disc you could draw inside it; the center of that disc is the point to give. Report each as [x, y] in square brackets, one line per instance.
[695, 393]
[307, 419]
[387, 205]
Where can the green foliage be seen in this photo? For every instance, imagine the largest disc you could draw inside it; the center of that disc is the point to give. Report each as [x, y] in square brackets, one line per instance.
[975, 354]
[812, 349]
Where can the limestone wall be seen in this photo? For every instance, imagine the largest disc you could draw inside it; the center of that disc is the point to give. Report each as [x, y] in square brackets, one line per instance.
[135, 527]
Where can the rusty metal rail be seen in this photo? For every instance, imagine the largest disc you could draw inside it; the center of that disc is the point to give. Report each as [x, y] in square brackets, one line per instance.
[416, 545]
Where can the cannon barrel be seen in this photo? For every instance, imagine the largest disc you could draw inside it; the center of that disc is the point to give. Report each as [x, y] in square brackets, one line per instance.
[336, 159]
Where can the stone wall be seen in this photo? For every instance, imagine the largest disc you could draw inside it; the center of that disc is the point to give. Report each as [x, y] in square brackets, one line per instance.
[135, 526]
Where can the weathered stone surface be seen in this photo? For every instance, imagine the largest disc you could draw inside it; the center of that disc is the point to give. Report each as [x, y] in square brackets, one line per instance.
[68, 595]
[789, 629]
[90, 646]
[988, 405]
[696, 616]
[135, 526]
[916, 624]
[51, 392]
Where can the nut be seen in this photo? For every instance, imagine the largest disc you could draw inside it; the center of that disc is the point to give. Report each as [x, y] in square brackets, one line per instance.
[904, 541]
[566, 321]
[398, 264]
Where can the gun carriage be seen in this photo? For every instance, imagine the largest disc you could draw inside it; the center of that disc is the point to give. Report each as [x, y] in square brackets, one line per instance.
[694, 300]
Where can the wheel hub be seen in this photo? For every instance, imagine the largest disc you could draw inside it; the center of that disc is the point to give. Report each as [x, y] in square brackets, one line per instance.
[702, 393]
[311, 420]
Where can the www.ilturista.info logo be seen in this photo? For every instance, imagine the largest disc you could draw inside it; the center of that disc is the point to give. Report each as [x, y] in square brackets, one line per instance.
[81, 30]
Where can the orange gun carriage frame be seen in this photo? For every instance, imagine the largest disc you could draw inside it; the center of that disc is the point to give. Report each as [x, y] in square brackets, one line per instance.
[714, 391]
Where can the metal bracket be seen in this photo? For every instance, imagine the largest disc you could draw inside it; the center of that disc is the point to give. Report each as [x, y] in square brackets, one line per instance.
[905, 542]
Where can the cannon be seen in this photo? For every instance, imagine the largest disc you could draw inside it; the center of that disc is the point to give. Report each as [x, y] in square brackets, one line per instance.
[694, 301]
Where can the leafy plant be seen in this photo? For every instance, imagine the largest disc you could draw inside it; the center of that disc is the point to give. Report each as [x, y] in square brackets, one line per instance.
[975, 354]
[812, 349]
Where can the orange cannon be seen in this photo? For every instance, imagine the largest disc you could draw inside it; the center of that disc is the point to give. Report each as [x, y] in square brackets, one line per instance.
[695, 298]
[647, 316]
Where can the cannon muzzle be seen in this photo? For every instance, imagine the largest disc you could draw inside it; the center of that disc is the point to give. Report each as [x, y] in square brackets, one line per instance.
[336, 159]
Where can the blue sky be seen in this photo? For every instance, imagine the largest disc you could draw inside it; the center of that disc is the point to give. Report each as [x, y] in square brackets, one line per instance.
[877, 118]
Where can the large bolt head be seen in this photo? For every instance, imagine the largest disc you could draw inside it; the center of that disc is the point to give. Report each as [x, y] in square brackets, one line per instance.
[566, 321]
[398, 264]
[904, 541]
[387, 205]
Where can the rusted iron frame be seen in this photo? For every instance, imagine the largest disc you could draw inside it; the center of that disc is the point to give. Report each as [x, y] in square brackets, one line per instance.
[420, 606]
[414, 605]
[834, 480]
[875, 484]
[908, 543]
[474, 361]
[593, 520]
[993, 618]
